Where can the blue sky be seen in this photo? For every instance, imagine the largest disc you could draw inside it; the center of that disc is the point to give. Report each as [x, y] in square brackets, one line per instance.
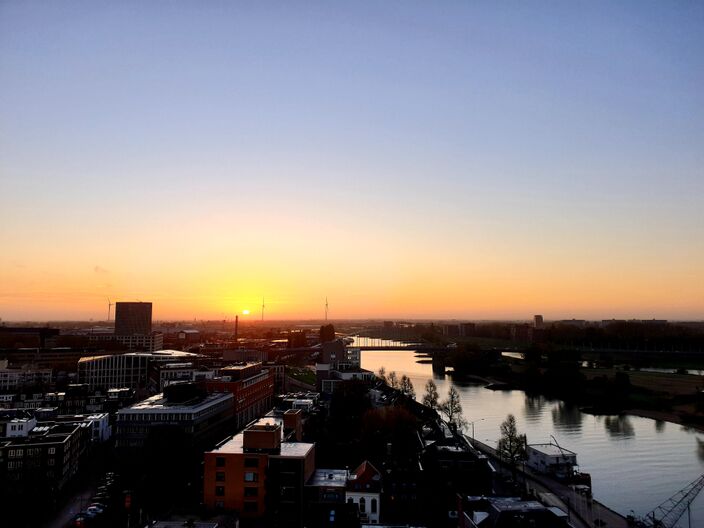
[557, 135]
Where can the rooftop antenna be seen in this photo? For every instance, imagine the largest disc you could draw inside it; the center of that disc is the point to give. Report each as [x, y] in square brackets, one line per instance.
[326, 308]
[110, 305]
[263, 309]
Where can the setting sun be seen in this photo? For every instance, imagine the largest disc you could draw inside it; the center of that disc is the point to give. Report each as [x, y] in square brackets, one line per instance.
[245, 312]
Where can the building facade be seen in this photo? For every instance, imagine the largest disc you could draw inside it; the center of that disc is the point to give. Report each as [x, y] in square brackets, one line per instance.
[364, 490]
[125, 370]
[259, 474]
[14, 379]
[133, 318]
[252, 387]
[200, 416]
[48, 457]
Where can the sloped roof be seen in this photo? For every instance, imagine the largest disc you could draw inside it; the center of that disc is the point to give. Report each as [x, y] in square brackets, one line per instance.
[366, 473]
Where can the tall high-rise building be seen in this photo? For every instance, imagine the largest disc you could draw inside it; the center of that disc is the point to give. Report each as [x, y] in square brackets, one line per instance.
[538, 322]
[133, 318]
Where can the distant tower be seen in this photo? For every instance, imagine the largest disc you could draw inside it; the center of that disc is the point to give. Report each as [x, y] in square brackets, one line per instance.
[262, 309]
[326, 308]
[538, 321]
[133, 318]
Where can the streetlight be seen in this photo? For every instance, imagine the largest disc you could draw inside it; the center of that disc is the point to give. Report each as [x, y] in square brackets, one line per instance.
[472, 424]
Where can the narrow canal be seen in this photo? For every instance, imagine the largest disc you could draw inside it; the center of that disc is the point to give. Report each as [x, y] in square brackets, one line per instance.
[635, 463]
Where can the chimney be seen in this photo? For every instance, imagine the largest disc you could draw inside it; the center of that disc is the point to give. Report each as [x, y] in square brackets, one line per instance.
[293, 423]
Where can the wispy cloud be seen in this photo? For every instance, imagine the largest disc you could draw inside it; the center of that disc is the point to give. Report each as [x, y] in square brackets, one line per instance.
[100, 270]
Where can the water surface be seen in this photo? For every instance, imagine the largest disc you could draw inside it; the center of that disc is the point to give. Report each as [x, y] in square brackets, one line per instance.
[635, 463]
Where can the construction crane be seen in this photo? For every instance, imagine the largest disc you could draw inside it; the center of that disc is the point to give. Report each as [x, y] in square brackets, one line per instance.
[669, 512]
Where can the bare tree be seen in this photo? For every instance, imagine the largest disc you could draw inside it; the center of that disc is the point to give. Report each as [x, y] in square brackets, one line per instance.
[431, 396]
[381, 374]
[393, 381]
[406, 387]
[452, 409]
[512, 445]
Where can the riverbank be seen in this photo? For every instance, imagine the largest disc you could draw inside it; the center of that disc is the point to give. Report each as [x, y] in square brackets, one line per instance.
[664, 416]
[635, 462]
[583, 509]
[667, 397]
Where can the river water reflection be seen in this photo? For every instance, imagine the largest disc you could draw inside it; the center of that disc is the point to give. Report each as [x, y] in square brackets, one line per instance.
[635, 463]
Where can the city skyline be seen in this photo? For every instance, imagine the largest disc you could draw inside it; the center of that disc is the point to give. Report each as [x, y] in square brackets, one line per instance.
[416, 161]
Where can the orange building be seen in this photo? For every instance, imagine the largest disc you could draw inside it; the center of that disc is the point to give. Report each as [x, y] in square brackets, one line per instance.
[239, 474]
[251, 385]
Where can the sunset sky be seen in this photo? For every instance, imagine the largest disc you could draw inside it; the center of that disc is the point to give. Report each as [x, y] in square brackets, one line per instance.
[474, 160]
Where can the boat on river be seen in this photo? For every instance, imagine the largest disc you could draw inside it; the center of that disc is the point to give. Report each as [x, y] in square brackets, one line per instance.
[555, 461]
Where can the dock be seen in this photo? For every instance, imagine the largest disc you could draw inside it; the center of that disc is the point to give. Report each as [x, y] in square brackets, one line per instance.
[582, 509]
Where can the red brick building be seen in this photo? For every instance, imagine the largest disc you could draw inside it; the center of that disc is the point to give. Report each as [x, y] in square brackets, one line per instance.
[260, 474]
[251, 385]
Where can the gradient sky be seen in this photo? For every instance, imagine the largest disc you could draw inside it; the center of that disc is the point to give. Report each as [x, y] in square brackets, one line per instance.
[406, 159]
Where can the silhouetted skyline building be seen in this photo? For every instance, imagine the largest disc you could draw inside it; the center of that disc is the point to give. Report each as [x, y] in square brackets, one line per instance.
[133, 318]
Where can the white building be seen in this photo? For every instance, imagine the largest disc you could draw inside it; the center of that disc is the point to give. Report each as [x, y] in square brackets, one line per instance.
[551, 459]
[124, 370]
[99, 424]
[364, 489]
[16, 423]
[13, 379]
[170, 373]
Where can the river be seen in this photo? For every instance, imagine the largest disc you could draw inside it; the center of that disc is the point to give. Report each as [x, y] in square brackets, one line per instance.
[635, 463]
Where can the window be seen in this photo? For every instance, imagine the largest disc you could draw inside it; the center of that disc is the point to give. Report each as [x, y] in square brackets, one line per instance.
[219, 491]
[362, 505]
[220, 476]
[251, 492]
[250, 476]
[251, 462]
[220, 461]
[373, 505]
[250, 507]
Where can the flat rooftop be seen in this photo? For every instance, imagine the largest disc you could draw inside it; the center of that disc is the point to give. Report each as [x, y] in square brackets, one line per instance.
[515, 505]
[241, 366]
[288, 449]
[159, 403]
[551, 449]
[329, 478]
[295, 449]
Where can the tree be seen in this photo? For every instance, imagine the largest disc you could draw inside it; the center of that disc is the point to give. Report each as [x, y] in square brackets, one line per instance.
[406, 387]
[512, 445]
[452, 409]
[393, 380]
[381, 374]
[431, 396]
